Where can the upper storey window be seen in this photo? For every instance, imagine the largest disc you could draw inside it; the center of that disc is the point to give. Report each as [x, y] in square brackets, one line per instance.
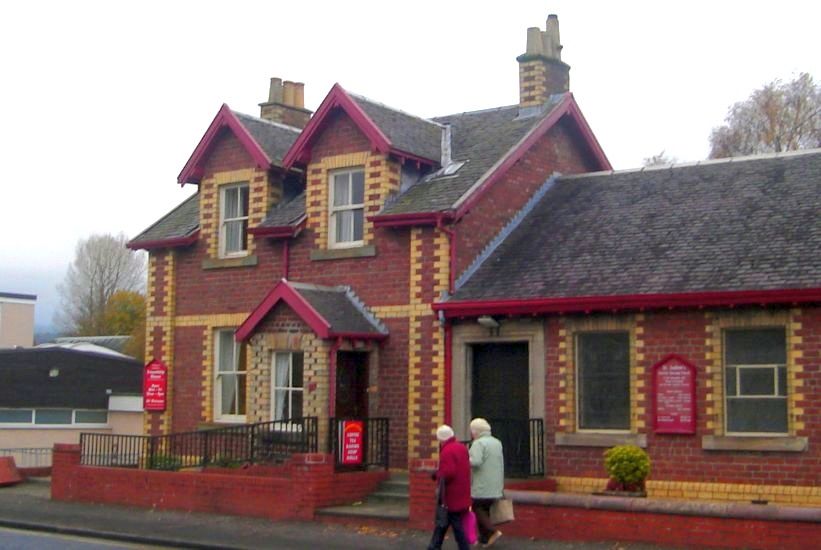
[233, 237]
[347, 210]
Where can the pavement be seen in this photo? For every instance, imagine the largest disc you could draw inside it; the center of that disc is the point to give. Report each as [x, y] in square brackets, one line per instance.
[28, 506]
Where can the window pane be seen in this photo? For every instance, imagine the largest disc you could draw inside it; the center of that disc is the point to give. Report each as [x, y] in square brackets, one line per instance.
[231, 207]
[227, 388]
[782, 381]
[282, 370]
[757, 381]
[344, 226]
[756, 347]
[280, 404]
[358, 221]
[296, 404]
[235, 236]
[296, 382]
[52, 416]
[226, 351]
[604, 380]
[15, 416]
[243, 201]
[358, 188]
[730, 380]
[757, 415]
[241, 365]
[90, 417]
[243, 235]
[241, 395]
[341, 196]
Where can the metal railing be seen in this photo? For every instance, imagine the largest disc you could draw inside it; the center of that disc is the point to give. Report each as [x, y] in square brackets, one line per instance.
[32, 457]
[523, 445]
[375, 446]
[261, 442]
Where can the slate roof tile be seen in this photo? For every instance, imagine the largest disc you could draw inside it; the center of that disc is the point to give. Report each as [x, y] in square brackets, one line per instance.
[749, 224]
[182, 221]
[340, 308]
[275, 139]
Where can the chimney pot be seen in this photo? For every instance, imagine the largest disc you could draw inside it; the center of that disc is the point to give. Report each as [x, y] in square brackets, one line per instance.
[541, 70]
[299, 95]
[286, 104]
[288, 93]
[275, 91]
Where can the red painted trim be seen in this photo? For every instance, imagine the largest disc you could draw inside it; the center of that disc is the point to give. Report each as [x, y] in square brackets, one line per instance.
[414, 158]
[567, 107]
[448, 374]
[584, 304]
[165, 243]
[286, 258]
[279, 231]
[337, 97]
[691, 426]
[192, 171]
[285, 292]
[404, 220]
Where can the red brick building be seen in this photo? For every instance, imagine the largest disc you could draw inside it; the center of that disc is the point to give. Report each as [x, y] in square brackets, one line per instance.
[365, 262]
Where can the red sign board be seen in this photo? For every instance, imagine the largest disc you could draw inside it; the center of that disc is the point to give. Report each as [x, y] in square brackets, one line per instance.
[352, 432]
[155, 386]
[674, 391]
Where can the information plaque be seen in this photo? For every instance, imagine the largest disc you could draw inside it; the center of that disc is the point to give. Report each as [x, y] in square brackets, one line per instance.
[674, 391]
[155, 386]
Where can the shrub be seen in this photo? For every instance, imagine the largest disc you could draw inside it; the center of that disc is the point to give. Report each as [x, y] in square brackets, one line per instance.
[165, 462]
[628, 466]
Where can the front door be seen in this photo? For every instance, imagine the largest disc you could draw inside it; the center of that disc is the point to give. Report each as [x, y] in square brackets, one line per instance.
[351, 384]
[500, 393]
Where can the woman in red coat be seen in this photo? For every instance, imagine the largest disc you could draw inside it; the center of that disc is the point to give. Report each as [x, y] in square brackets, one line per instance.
[453, 476]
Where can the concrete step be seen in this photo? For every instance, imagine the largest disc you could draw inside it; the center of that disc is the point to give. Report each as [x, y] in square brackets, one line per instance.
[369, 509]
[392, 486]
[386, 497]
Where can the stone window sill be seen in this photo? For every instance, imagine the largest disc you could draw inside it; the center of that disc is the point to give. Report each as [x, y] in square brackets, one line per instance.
[214, 425]
[343, 253]
[600, 439]
[223, 263]
[784, 444]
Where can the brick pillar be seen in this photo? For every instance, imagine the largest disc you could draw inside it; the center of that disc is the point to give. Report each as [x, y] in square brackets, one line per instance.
[312, 478]
[65, 459]
[422, 493]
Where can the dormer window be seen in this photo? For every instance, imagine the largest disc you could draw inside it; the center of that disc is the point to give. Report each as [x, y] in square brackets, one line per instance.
[233, 237]
[347, 210]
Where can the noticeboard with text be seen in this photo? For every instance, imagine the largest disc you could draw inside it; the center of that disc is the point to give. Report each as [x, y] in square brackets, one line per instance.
[352, 441]
[155, 386]
[674, 391]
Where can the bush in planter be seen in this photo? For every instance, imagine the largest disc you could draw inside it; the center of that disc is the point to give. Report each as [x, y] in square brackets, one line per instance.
[628, 467]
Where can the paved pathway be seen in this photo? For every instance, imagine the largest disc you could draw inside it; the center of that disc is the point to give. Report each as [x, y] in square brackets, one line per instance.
[27, 506]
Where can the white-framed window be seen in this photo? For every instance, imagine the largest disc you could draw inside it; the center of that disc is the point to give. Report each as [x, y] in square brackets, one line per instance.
[233, 230]
[51, 418]
[286, 385]
[229, 377]
[603, 380]
[347, 208]
[755, 381]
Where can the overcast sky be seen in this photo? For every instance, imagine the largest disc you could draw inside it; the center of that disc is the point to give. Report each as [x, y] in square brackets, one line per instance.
[103, 102]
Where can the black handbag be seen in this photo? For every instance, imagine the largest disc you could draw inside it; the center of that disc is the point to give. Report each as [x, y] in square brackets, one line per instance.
[441, 517]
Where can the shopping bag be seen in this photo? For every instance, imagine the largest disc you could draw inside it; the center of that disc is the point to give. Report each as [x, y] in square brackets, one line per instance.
[469, 527]
[501, 511]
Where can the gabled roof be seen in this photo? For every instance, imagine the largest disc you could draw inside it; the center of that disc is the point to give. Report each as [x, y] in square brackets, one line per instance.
[265, 142]
[389, 130]
[180, 227]
[283, 219]
[710, 233]
[82, 382]
[331, 312]
[489, 142]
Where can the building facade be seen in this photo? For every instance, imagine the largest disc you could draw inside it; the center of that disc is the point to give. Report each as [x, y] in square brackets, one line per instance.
[16, 319]
[365, 262]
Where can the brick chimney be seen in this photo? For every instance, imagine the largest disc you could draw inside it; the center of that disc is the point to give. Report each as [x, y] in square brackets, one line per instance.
[541, 70]
[286, 104]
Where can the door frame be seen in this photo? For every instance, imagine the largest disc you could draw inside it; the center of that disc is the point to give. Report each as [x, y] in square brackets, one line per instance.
[530, 331]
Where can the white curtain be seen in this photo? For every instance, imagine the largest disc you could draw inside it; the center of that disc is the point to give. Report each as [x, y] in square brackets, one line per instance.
[281, 382]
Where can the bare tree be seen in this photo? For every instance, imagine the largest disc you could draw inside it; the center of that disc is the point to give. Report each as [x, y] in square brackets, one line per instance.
[102, 265]
[778, 117]
[660, 159]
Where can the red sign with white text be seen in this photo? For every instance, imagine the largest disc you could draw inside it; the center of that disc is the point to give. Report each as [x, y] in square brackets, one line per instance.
[674, 391]
[155, 386]
[352, 440]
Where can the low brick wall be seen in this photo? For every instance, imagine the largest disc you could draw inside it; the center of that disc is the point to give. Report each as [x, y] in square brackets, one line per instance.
[293, 491]
[556, 516]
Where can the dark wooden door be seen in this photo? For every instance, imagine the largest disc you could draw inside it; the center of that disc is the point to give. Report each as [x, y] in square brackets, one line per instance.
[351, 384]
[500, 393]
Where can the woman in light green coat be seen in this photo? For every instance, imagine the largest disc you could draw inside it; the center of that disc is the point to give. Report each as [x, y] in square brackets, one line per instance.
[488, 477]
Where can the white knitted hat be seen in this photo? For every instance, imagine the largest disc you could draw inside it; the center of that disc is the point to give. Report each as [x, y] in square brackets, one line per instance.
[444, 432]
